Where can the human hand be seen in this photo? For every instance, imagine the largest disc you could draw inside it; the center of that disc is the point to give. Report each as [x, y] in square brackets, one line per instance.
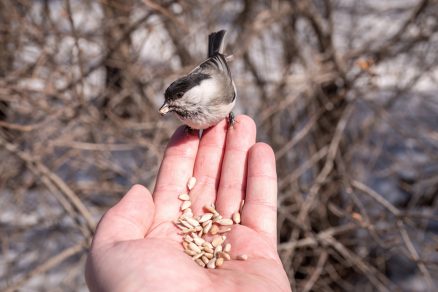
[137, 247]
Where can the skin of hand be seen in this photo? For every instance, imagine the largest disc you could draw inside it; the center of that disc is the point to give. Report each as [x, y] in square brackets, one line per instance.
[137, 247]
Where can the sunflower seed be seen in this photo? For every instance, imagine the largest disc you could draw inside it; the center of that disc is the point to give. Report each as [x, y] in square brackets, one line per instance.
[184, 197]
[217, 249]
[188, 230]
[211, 209]
[223, 230]
[217, 217]
[199, 241]
[206, 223]
[227, 247]
[194, 247]
[197, 256]
[205, 217]
[192, 221]
[200, 262]
[208, 226]
[208, 249]
[207, 244]
[188, 238]
[190, 252]
[212, 263]
[180, 226]
[224, 255]
[242, 257]
[185, 205]
[186, 215]
[225, 222]
[236, 217]
[217, 241]
[219, 262]
[205, 259]
[186, 224]
[191, 183]
[214, 229]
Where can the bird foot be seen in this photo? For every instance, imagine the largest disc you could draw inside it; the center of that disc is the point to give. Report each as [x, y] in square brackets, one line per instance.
[231, 120]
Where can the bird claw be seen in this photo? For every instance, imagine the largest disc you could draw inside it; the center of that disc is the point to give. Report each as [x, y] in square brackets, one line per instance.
[189, 131]
[231, 120]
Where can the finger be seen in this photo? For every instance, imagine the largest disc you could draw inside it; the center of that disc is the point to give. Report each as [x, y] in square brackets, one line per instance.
[176, 169]
[233, 174]
[129, 219]
[260, 209]
[208, 165]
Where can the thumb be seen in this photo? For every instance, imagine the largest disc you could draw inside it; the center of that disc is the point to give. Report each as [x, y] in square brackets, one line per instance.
[129, 219]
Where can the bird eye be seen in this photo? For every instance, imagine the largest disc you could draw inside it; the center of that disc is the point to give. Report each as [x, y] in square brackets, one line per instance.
[179, 94]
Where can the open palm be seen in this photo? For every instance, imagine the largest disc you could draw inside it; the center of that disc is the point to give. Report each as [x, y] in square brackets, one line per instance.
[137, 247]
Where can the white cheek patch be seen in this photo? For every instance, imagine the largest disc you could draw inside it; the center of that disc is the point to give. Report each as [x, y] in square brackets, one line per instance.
[202, 93]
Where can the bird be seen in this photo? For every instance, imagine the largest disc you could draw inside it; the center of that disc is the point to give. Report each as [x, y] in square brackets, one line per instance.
[207, 94]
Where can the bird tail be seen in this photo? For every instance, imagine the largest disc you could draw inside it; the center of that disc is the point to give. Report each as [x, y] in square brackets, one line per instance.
[215, 43]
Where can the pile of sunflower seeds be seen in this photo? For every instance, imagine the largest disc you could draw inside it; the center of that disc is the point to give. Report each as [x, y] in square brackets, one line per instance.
[204, 236]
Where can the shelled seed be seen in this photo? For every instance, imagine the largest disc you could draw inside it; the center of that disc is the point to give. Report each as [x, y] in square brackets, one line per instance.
[242, 257]
[214, 229]
[211, 209]
[190, 252]
[227, 247]
[212, 263]
[225, 222]
[192, 221]
[194, 247]
[188, 238]
[197, 256]
[208, 249]
[236, 217]
[205, 217]
[199, 241]
[185, 205]
[205, 259]
[224, 230]
[217, 241]
[188, 213]
[186, 224]
[224, 255]
[217, 249]
[191, 183]
[184, 197]
[200, 262]
[219, 262]
[208, 227]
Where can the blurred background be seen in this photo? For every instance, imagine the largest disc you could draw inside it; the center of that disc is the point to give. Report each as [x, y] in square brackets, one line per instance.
[345, 92]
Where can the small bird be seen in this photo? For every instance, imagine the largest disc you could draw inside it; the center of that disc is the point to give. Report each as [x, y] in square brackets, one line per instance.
[207, 94]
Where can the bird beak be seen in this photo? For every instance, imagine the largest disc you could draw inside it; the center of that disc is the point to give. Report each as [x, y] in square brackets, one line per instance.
[164, 109]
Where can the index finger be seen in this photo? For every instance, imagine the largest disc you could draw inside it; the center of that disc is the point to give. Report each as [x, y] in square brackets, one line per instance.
[175, 170]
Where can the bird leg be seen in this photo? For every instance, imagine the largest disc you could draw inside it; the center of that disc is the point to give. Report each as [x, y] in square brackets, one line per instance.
[189, 131]
[231, 119]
